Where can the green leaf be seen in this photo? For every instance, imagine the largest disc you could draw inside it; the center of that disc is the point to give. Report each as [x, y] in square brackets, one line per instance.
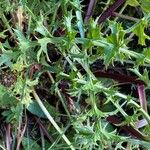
[110, 53]
[6, 101]
[145, 5]
[29, 144]
[23, 42]
[133, 3]
[5, 59]
[85, 130]
[71, 33]
[93, 30]
[138, 30]
[67, 21]
[140, 142]
[146, 53]
[43, 43]
[117, 34]
[2, 34]
[2, 90]
[40, 28]
[116, 40]
[144, 77]
[13, 114]
[35, 109]
[80, 23]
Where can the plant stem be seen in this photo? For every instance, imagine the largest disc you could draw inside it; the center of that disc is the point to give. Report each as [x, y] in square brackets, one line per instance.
[90, 10]
[125, 17]
[141, 110]
[108, 12]
[59, 94]
[120, 12]
[73, 66]
[142, 97]
[119, 108]
[42, 139]
[50, 118]
[5, 21]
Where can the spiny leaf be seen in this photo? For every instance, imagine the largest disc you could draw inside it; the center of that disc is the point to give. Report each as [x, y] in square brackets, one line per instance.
[40, 28]
[43, 43]
[23, 41]
[93, 30]
[139, 30]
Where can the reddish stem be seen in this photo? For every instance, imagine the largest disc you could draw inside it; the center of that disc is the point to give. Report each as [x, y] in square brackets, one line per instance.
[118, 77]
[108, 12]
[8, 137]
[129, 129]
[69, 99]
[141, 123]
[90, 10]
[44, 130]
[142, 97]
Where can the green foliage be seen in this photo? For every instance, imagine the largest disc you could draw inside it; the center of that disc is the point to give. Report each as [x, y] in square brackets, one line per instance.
[133, 3]
[145, 5]
[62, 68]
[43, 48]
[6, 98]
[29, 143]
[36, 110]
[13, 115]
[139, 31]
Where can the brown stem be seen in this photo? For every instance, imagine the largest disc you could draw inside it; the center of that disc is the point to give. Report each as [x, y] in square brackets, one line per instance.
[118, 77]
[44, 130]
[90, 10]
[8, 137]
[21, 134]
[128, 128]
[108, 12]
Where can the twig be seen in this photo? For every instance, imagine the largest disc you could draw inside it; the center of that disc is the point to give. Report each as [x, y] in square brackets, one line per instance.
[130, 37]
[141, 123]
[6, 23]
[20, 17]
